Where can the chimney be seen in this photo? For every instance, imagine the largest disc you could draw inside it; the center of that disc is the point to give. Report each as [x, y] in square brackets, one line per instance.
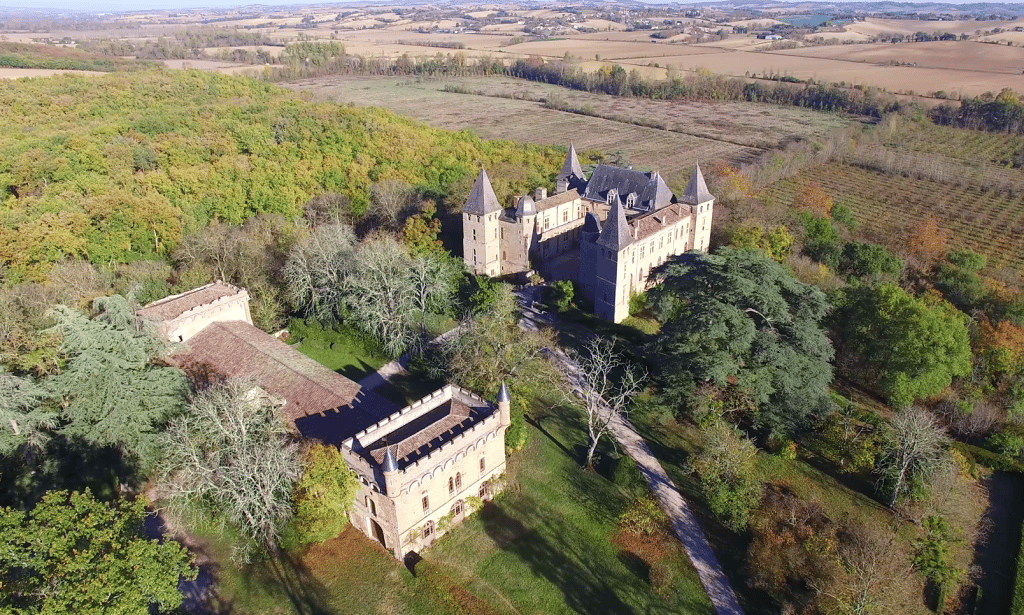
[540, 194]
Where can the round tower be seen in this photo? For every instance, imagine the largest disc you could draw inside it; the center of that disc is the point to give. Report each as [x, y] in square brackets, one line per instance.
[504, 405]
[390, 469]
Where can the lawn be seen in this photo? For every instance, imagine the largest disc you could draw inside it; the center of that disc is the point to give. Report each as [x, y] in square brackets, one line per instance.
[337, 348]
[546, 546]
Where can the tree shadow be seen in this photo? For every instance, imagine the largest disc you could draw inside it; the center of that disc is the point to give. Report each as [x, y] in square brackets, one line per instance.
[64, 463]
[585, 588]
[357, 372]
[306, 594]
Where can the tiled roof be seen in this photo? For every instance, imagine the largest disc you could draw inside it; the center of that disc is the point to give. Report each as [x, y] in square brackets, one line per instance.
[649, 187]
[571, 167]
[648, 225]
[171, 307]
[557, 199]
[482, 199]
[240, 350]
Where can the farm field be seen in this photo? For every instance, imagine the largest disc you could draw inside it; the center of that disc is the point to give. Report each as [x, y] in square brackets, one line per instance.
[956, 55]
[18, 73]
[888, 207]
[731, 132]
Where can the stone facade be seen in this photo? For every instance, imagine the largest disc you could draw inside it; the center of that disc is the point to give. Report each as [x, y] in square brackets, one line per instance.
[423, 467]
[618, 224]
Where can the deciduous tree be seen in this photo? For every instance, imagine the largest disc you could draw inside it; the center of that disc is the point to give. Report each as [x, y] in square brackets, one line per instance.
[606, 382]
[928, 239]
[726, 470]
[913, 452]
[324, 495]
[74, 554]
[813, 198]
[230, 455]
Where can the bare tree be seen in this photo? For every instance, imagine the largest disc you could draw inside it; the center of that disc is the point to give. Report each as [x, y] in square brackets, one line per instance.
[913, 452]
[391, 200]
[865, 580]
[433, 279]
[230, 455]
[606, 382]
[381, 294]
[316, 269]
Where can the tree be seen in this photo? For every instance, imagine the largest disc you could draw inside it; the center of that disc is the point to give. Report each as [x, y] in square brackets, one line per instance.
[74, 554]
[324, 495]
[928, 239]
[867, 260]
[390, 199]
[230, 455]
[726, 469]
[913, 452]
[813, 198]
[911, 347]
[776, 244]
[110, 391]
[22, 420]
[821, 239]
[737, 319]
[490, 347]
[863, 582]
[420, 231]
[606, 382]
[316, 270]
[381, 295]
[433, 275]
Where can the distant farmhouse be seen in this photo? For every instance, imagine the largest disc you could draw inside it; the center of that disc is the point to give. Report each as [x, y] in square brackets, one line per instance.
[605, 232]
[419, 466]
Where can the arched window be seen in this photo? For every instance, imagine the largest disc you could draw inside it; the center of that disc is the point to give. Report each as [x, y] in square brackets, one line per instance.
[458, 480]
[451, 485]
[428, 529]
[458, 508]
[371, 507]
[485, 491]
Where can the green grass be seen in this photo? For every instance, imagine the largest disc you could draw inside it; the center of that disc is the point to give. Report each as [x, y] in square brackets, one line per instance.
[545, 547]
[337, 348]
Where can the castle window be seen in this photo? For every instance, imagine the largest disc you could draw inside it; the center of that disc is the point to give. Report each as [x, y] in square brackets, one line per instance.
[370, 506]
[547, 223]
[426, 503]
[631, 199]
[565, 216]
[428, 529]
[458, 480]
[474, 234]
[503, 257]
[484, 491]
[458, 508]
[451, 485]
[483, 465]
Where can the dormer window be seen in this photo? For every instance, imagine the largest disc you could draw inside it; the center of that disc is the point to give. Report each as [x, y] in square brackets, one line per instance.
[612, 195]
[631, 199]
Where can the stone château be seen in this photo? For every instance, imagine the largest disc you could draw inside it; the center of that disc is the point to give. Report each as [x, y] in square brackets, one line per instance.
[605, 232]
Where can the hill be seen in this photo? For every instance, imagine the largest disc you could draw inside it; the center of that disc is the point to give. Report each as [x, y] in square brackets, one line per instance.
[30, 55]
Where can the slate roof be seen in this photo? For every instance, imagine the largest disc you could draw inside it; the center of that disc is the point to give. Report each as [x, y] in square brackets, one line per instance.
[696, 190]
[616, 234]
[571, 167]
[591, 223]
[648, 225]
[171, 307]
[240, 350]
[482, 199]
[650, 189]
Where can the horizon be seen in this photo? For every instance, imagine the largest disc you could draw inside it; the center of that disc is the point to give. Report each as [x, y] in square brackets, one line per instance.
[125, 6]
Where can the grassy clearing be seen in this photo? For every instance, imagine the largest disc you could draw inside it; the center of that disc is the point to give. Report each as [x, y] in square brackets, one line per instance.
[545, 547]
[337, 348]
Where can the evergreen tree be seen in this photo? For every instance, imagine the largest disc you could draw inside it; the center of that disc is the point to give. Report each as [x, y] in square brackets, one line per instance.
[22, 420]
[740, 320]
[111, 392]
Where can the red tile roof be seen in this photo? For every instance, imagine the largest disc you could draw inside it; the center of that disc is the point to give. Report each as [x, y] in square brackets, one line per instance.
[171, 307]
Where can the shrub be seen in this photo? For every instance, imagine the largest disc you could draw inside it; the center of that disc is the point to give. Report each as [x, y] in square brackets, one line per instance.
[643, 516]
[516, 436]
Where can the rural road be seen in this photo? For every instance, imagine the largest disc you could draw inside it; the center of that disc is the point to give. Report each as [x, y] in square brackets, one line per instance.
[685, 525]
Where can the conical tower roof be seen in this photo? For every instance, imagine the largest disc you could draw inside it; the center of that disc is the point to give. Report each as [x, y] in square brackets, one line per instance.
[615, 233]
[697, 190]
[482, 200]
[389, 464]
[503, 395]
[571, 167]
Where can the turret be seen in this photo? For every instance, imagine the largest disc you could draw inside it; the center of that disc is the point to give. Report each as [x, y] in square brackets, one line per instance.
[481, 244]
[701, 203]
[571, 175]
[504, 405]
[390, 468]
